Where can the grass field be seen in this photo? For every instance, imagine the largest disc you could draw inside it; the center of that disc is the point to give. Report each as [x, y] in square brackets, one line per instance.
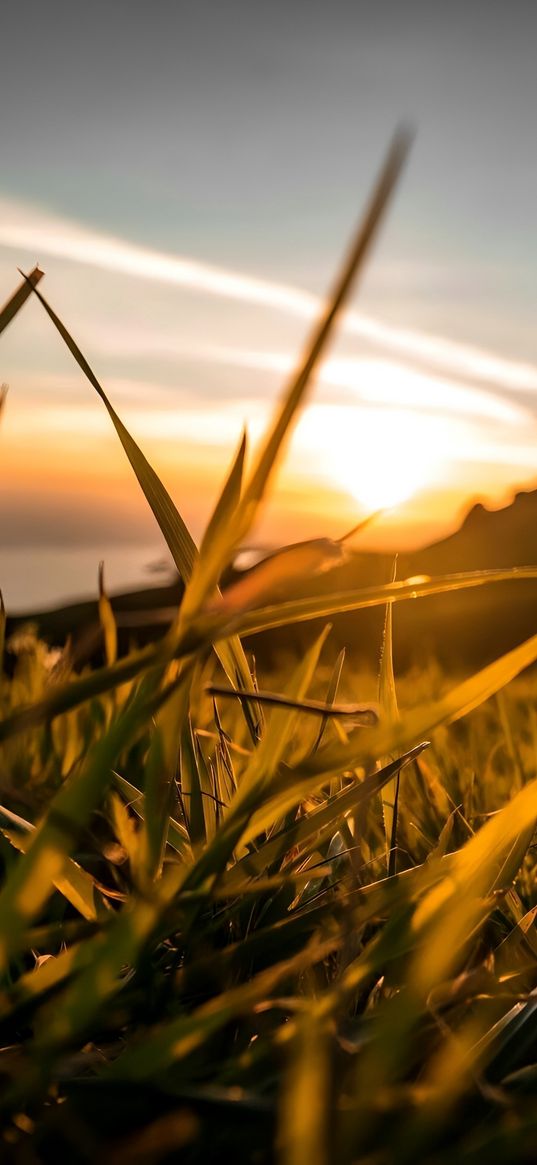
[286, 916]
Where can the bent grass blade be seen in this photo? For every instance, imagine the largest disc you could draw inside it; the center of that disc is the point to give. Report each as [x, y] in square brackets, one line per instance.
[174, 530]
[19, 297]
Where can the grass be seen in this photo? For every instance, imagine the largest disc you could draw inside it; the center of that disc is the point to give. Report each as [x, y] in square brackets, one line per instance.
[286, 917]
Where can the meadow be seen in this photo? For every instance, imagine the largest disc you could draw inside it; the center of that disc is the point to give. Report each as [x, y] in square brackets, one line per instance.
[280, 912]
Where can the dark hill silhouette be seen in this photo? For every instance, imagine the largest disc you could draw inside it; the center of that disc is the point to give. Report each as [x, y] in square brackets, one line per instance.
[475, 626]
[461, 630]
[487, 539]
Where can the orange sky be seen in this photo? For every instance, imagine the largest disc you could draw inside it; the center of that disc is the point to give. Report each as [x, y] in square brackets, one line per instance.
[189, 186]
[64, 477]
[189, 353]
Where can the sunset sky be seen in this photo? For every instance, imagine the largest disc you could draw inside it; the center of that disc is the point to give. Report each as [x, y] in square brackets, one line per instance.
[188, 176]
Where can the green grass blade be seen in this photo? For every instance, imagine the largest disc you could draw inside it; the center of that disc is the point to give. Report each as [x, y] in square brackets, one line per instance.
[229, 498]
[107, 620]
[193, 789]
[304, 1133]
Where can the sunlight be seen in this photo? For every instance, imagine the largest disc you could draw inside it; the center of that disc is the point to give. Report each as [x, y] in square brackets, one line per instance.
[380, 457]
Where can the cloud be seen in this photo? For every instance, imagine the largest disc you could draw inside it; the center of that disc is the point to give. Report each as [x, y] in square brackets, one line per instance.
[34, 231]
[373, 381]
[355, 381]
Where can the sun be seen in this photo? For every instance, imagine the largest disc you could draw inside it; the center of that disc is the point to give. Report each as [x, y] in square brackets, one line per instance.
[380, 456]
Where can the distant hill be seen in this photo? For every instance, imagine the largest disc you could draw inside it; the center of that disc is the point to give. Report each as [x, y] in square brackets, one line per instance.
[475, 626]
[462, 630]
[487, 539]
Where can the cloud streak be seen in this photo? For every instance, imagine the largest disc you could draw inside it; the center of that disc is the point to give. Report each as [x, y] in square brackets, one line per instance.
[23, 228]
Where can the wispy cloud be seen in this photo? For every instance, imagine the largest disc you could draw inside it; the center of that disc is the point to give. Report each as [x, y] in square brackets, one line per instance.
[27, 229]
[342, 381]
[374, 381]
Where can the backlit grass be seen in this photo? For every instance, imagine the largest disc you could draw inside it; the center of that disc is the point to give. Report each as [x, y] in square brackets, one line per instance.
[280, 915]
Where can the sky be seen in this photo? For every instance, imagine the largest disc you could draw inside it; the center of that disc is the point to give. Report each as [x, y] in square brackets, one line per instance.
[188, 176]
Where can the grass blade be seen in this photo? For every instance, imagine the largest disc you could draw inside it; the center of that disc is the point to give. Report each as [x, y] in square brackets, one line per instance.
[77, 886]
[229, 534]
[341, 602]
[67, 696]
[318, 821]
[174, 530]
[272, 447]
[28, 885]
[422, 721]
[390, 714]
[19, 297]
[361, 713]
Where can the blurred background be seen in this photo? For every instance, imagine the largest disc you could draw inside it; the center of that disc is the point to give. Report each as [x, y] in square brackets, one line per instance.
[188, 177]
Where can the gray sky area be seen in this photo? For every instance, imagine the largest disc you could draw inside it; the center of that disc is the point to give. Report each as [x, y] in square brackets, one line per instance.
[245, 135]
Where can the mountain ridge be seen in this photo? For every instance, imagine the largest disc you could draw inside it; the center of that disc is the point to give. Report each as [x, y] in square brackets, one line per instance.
[460, 629]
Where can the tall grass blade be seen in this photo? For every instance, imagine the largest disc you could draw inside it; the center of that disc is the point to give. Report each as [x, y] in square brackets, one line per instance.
[331, 696]
[390, 714]
[176, 534]
[19, 297]
[231, 533]
[380, 198]
[340, 602]
[161, 771]
[108, 622]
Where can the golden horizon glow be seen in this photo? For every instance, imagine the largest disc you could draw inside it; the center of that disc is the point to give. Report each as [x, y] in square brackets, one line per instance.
[420, 443]
[344, 460]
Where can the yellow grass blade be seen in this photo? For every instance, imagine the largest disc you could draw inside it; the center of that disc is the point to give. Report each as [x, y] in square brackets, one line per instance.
[360, 599]
[178, 538]
[389, 711]
[231, 533]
